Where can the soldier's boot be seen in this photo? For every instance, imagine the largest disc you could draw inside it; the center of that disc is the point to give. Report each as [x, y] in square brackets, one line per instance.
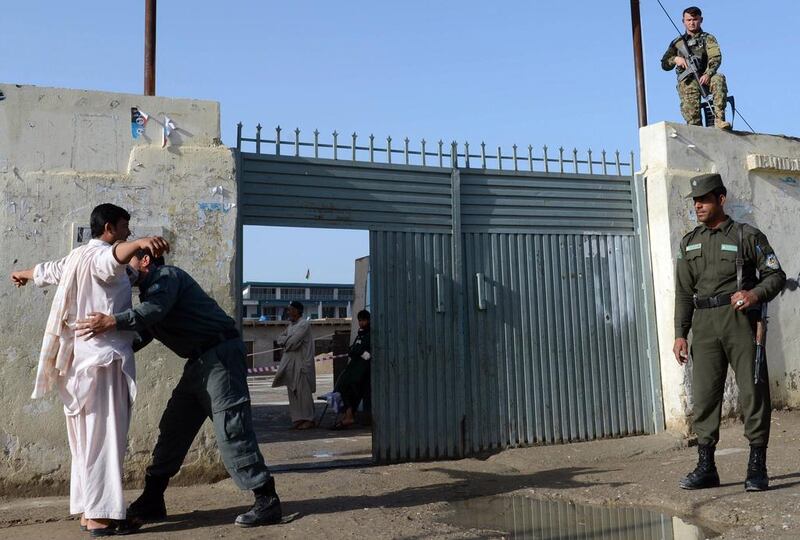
[757, 478]
[266, 510]
[150, 505]
[721, 123]
[705, 474]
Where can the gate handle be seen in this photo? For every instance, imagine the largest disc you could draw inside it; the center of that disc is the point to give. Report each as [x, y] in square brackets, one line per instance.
[439, 293]
[481, 290]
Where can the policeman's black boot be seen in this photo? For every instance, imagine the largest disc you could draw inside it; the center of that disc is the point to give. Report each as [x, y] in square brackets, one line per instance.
[705, 474]
[266, 510]
[150, 505]
[757, 479]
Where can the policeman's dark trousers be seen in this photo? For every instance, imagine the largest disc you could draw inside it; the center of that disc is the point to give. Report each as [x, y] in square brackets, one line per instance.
[722, 336]
[354, 382]
[212, 386]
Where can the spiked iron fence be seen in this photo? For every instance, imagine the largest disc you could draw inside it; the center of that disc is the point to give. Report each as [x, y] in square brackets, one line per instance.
[437, 154]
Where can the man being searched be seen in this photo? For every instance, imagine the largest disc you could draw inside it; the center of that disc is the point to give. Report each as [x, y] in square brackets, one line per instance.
[177, 312]
[704, 52]
[725, 272]
[95, 378]
[297, 372]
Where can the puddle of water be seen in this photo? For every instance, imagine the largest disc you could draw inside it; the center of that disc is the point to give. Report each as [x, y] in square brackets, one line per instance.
[524, 517]
[322, 454]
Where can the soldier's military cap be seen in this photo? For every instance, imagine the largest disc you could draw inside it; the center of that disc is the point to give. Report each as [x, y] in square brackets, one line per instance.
[705, 183]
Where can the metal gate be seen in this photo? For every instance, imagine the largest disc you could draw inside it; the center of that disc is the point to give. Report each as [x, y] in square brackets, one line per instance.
[510, 307]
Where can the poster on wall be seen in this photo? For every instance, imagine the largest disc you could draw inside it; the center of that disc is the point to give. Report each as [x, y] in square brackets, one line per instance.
[138, 122]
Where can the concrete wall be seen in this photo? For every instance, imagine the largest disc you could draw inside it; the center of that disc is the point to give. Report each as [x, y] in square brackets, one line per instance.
[61, 153]
[762, 173]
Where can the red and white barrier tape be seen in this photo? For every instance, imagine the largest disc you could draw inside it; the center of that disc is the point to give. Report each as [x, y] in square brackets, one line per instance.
[271, 370]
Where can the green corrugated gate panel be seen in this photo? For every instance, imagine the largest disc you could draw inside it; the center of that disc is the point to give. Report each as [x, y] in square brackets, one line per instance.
[289, 191]
[418, 389]
[509, 308]
[556, 352]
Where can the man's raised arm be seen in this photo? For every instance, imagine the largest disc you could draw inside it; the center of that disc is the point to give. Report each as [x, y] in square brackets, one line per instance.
[125, 251]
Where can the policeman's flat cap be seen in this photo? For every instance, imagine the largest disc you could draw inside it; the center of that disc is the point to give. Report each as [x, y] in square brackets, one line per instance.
[705, 183]
[296, 305]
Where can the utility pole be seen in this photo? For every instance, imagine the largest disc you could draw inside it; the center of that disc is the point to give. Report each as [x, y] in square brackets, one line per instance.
[638, 63]
[149, 47]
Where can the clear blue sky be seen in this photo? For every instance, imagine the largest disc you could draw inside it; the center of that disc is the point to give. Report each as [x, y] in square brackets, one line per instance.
[525, 72]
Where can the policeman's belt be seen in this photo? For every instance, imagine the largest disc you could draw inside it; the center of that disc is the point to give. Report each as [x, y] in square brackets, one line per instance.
[706, 302]
[220, 338]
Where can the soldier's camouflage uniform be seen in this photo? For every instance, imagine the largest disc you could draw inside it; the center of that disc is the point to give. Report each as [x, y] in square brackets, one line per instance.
[706, 48]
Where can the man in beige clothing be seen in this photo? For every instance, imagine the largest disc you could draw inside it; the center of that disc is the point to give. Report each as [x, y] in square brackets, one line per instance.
[95, 378]
[297, 372]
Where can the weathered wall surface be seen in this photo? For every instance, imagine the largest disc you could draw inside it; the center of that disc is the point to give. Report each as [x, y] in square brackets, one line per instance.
[61, 153]
[762, 174]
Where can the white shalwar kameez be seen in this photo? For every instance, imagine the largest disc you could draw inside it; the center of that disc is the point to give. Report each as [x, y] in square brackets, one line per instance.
[297, 371]
[98, 386]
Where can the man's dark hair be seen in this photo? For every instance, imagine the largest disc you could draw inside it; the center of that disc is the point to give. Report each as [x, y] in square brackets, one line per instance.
[106, 213]
[693, 11]
[155, 261]
[721, 190]
[363, 315]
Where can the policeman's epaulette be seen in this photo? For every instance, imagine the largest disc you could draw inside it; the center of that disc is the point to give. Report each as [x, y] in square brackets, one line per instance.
[691, 233]
[749, 229]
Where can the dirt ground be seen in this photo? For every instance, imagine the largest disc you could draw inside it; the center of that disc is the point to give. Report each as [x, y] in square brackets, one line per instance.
[413, 500]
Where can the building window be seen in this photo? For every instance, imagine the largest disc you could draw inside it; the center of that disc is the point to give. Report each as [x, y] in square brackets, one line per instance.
[262, 293]
[328, 312]
[321, 293]
[270, 312]
[345, 294]
[293, 293]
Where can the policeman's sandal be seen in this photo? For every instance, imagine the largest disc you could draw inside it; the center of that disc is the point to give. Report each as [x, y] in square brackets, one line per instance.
[757, 478]
[150, 505]
[265, 511]
[705, 474]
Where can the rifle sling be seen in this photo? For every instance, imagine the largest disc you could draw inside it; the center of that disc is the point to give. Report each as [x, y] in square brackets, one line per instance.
[739, 259]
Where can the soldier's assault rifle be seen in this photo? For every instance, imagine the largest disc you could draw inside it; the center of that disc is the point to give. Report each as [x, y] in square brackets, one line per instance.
[760, 368]
[693, 65]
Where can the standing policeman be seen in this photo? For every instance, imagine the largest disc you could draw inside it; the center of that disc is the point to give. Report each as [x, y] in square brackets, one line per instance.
[177, 312]
[722, 316]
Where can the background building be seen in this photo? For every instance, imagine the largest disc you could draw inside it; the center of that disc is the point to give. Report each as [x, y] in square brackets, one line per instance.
[268, 300]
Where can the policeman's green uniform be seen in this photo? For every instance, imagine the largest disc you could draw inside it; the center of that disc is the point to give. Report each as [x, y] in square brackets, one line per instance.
[706, 276]
[178, 313]
[706, 48]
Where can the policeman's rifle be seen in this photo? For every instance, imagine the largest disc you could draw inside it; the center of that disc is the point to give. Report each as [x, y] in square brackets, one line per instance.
[760, 368]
